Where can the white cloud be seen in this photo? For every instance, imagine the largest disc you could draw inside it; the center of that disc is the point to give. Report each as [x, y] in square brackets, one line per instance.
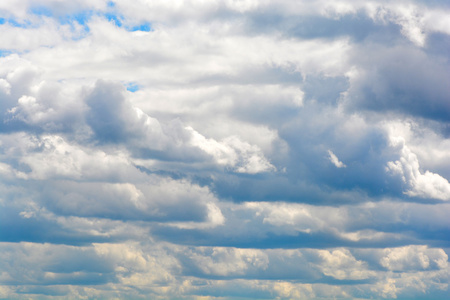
[341, 264]
[138, 266]
[47, 34]
[333, 158]
[229, 261]
[181, 59]
[414, 257]
[232, 152]
[356, 223]
[424, 185]
[436, 20]
[5, 87]
[56, 158]
[409, 17]
[9, 172]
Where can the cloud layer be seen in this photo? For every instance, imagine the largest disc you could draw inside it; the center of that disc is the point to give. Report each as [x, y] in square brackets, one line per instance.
[224, 149]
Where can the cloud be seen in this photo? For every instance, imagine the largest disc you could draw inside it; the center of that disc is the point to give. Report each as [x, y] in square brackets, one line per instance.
[114, 120]
[340, 264]
[134, 265]
[378, 85]
[415, 258]
[244, 157]
[424, 185]
[224, 149]
[333, 158]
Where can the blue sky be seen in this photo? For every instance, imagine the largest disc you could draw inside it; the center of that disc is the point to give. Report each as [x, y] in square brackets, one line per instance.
[224, 149]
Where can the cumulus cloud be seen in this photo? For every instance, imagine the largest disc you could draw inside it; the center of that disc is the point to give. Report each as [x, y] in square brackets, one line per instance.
[242, 156]
[114, 120]
[424, 185]
[340, 264]
[414, 257]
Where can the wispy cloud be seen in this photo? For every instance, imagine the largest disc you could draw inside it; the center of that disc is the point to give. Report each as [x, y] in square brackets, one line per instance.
[333, 158]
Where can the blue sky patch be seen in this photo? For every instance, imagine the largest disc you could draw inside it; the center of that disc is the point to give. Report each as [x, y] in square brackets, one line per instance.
[82, 18]
[114, 18]
[41, 11]
[4, 53]
[143, 27]
[132, 87]
[13, 22]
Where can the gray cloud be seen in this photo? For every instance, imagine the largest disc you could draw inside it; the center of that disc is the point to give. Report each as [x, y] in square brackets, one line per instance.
[383, 86]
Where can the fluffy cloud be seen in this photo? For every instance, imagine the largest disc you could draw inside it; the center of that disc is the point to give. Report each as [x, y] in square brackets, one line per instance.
[415, 258]
[424, 185]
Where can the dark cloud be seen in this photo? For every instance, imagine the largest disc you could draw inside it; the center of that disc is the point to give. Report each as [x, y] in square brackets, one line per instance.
[404, 80]
[109, 113]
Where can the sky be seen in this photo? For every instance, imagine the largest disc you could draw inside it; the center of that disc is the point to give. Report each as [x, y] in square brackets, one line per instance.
[224, 149]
